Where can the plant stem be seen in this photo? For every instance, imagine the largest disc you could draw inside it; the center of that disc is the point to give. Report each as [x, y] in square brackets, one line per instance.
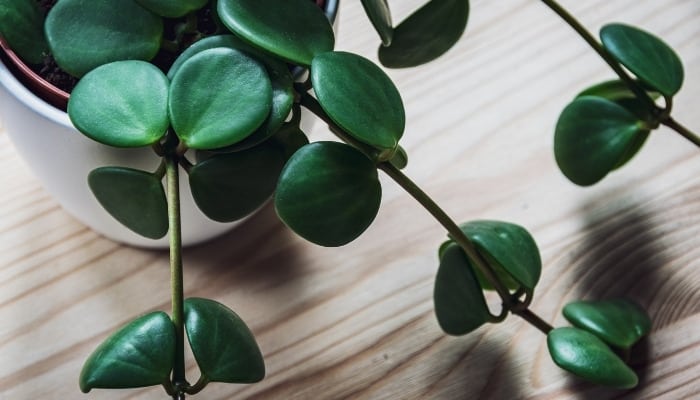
[176, 276]
[685, 132]
[534, 320]
[593, 42]
[452, 228]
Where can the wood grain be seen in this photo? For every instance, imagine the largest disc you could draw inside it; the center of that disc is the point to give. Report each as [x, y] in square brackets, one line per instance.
[357, 322]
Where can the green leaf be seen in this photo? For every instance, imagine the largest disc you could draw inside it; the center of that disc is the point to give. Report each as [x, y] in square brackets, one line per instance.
[359, 97]
[593, 135]
[585, 355]
[278, 72]
[84, 34]
[380, 16]
[460, 306]
[227, 187]
[645, 55]
[139, 354]
[328, 193]
[618, 91]
[426, 34]
[107, 107]
[172, 8]
[222, 344]
[619, 322]
[509, 248]
[291, 138]
[22, 26]
[400, 158]
[134, 198]
[203, 119]
[295, 30]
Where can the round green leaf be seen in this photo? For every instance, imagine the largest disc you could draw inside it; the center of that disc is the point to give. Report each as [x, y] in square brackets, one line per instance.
[203, 119]
[359, 97]
[22, 26]
[426, 34]
[328, 193]
[460, 306]
[107, 107]
[618, 322]
[172, 8]
[139, 354]
[278, 72]
[380, 16]
[84, 34]
[295, 30]
[227, 187]
[134, 198]
[593, 135]
[585, 355]
[647, 56]
[509, 248]
[222, 344]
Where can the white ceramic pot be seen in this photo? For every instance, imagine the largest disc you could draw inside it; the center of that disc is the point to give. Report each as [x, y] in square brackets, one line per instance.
[61, 157]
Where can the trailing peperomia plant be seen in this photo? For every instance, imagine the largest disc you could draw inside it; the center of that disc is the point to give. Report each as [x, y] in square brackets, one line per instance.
[225, 108]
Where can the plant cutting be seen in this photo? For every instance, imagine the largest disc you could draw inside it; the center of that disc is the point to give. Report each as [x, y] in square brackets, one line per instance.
[328, 192]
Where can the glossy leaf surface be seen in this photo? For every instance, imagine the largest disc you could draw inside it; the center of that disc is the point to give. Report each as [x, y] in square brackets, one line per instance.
[84, 34]
[359, 97]
[509, 248]
[222, 344]
[278, 72]
[618, 322]
[379, 14]
[426, 34]
[107, 107]
[460, 306]
[328, 193]
[134, 198]
[139, 354]
[227, 187]
[593, 135]
[172, 8]
[22, 27]
[645, 55]
[585, 355]
[241, 103]
[295, 30]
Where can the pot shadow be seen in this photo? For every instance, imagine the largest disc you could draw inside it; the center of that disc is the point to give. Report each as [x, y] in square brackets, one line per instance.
[625, 253]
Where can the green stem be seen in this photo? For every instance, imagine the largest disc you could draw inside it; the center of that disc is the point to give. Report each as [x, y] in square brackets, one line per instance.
[452, 228]
[176, 275]
[593, 42]
[685, 132]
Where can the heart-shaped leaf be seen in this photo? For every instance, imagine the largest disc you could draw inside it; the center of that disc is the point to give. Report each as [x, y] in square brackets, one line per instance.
[139, 354]
[593, 135]
[328, 193]
[172, 8]
[380, 16]
[278, 72]
[222, 344]
[107, 107]
[460, 306]
[134, 198]
[426, 34]
[22, 26]
[359, 97]
[241, 103]
[619, 322]
[84, 34]
[585, 355]
[647, 56]
[227, 187]
[509, 249]
[295, 30]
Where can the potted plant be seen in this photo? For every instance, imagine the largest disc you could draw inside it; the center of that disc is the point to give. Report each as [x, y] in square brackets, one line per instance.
[328, 192]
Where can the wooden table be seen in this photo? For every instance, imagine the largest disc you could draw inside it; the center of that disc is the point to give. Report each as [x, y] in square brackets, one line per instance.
[357, 322]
